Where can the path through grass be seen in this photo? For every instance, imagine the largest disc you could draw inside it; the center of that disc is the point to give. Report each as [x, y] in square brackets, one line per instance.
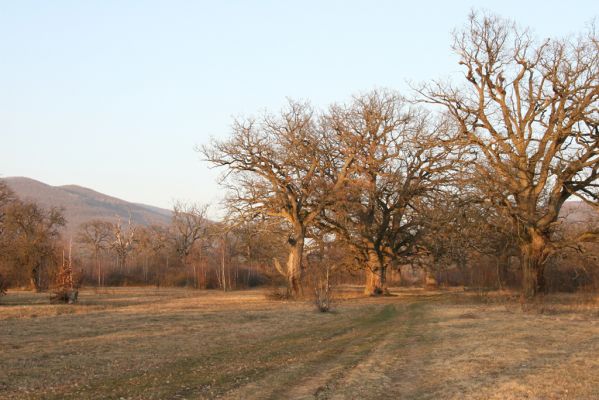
[175, 344]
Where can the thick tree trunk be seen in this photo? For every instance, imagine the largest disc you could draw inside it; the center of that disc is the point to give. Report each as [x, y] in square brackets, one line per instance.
[223, 272]
[376, 276]
[398, 279]
[195, 276]
[533, 257]
[294, 261]
[503, 264]
[99, 269]
[294, 267]
[36, 278]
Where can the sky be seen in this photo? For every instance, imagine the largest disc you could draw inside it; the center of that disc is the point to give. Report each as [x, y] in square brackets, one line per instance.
[117, 95]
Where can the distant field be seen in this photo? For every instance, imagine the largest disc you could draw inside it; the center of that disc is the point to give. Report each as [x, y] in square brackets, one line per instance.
[144, 343]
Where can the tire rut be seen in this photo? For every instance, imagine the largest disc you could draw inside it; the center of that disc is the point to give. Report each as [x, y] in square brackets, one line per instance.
[373, 377]
[320, 376]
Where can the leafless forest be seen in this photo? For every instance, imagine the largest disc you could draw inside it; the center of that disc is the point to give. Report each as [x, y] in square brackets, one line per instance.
[483, 191]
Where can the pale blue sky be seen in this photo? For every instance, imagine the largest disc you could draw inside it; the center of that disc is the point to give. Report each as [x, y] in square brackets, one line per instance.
[114, 95]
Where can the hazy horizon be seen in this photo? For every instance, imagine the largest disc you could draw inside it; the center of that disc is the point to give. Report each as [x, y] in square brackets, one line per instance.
[114, 96]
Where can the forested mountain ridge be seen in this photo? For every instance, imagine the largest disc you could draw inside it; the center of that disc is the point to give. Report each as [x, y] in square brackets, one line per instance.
[82, 204]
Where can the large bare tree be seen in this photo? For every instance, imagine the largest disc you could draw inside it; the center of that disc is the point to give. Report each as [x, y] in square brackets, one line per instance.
[402, 157]
[277, 165]
[530, 109]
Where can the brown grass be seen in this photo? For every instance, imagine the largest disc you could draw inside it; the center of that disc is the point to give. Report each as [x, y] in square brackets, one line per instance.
[142, 343]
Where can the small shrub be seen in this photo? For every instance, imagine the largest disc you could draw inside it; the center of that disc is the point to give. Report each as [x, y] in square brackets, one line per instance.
[277, 293]
[67, 287]
[324, 297]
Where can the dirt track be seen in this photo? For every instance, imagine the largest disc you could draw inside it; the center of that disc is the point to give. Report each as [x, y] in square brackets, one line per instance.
[174, 344]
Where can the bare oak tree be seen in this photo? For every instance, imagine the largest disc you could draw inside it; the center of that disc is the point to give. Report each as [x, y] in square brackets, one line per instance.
[401, 159]
[530, 110]
[190, 225]
[278, 167]
[123, 241]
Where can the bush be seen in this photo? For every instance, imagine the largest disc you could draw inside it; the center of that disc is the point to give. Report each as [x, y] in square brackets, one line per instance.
[324, 297]
[278, 293]
[67, 285]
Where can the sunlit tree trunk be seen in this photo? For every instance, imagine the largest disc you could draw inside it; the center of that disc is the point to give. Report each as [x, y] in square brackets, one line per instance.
[223, 274]
[294, 261]
[376, 275]
[533, 257]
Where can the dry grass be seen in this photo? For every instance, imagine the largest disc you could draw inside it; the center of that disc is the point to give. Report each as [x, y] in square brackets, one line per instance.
[175, 344]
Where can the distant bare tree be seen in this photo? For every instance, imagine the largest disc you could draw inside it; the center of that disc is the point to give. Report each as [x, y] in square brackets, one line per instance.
[160, 244]
[221, 234]
[462, 227]
[254, 244]
[123, 241]
[530, 111]
[96, 234]
[7, 197]
[33, 234]
[277, 166]
[145, 248]
[189, 226]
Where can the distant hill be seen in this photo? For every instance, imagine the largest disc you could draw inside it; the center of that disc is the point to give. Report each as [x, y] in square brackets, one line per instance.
[82, 204]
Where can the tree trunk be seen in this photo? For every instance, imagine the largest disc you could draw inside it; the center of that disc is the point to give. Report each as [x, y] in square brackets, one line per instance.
[36, 278]
[533, 257]
[503, 264]
[195, 276]
[33, 281]
[294, 262]
[462, 265]
[223, 264]
[430, 281]
[99, 270]
[146, 269]
[398, 279]
[376, 276]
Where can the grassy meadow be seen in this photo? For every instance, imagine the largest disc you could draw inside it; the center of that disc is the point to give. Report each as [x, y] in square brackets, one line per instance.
[147, 343]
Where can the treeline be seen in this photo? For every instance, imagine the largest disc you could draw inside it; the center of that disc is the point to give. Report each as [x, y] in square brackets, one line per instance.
[461, 183]
[29, 237]
[459, 174]
[191, 251]
[29, 241]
